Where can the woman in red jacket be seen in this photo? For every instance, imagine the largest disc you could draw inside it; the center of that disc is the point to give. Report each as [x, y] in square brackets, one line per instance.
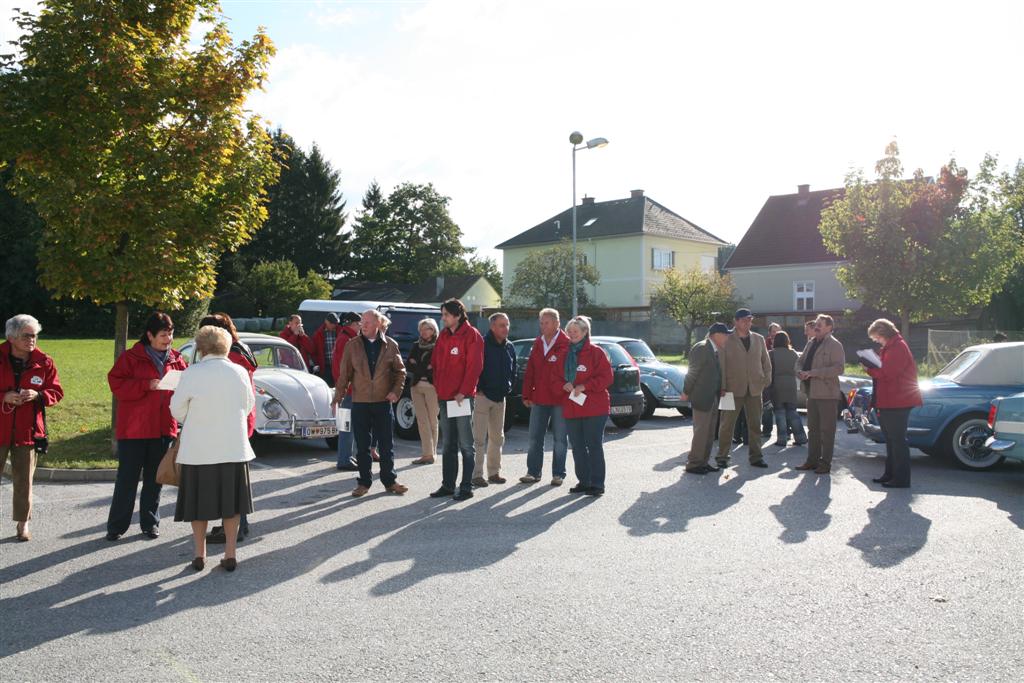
[144, 427]
[588, 374]
[896, 394]
[29, 382]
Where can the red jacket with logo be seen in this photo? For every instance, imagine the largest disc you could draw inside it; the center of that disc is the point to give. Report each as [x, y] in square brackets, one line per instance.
[302, 343]
[141, 413]
[345, 335]
[544, 379]
[594, 372]
[21, 425]
[896, 381]
[458, 360]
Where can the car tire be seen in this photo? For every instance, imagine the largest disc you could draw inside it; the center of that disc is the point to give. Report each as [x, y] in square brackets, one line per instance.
[405, 419]
[685, 412]
[332, 442]
[625, 421]
[650, 403]
[963, 443]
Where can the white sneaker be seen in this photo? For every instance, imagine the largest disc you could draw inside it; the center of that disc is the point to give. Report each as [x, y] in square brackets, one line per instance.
[529, 479]
[556, 481]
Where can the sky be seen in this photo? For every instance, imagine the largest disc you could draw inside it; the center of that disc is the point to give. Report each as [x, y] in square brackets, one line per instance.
[708, 107]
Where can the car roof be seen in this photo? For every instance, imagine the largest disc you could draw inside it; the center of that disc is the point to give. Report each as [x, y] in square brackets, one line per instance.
[256, 336]
[1000, 364]
[351, 306]
[612, 339]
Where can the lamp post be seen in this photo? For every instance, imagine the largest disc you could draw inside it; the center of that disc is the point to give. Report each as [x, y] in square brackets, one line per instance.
[576, 138]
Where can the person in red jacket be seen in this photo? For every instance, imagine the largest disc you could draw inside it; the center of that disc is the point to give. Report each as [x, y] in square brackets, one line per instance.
[295, 334]
[896, 394]
[543, 395]
[348, 329]
[458, 359]
[144, 426]
[587, 374]
[29, 381]
[322, 346]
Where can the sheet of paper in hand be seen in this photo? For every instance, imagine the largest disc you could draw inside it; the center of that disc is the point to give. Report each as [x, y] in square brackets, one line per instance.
[578, 399]
[170, 380]
[344, 419]
[870, 357]
[727, 402]
[455, 410]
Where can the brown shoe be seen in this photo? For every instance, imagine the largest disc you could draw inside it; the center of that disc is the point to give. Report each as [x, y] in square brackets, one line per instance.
[496, 479]
[423, 461]
[806, 466]
[822, 470]
[396, 489]
[360, 491]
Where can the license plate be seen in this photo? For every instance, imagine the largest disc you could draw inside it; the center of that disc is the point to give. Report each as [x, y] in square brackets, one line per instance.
[315, 432]
[622, 410]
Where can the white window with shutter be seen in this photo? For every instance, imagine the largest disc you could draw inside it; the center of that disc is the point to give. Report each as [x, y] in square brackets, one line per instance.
[662, 259]
[803, 295]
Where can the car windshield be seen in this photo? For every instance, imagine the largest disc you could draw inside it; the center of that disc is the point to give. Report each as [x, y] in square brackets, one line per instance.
[616, 354]
[960, 365]
[405, 325]
[639, 350]
[523, 349]
[277, 356]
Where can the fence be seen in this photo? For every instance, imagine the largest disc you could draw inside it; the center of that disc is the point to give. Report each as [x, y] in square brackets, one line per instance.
[944, 345]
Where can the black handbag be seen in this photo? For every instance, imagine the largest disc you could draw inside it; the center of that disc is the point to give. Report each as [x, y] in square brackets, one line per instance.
[42, 443]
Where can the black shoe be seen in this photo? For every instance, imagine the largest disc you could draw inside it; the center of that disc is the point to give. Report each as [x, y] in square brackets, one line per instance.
[442, 493]
[594, 491]
[579, 488]
[700, 469]
[891, 485]
[348, 468]
[463, 495]
[710, 468]
[759, 463]
[779, 444]
[151, 533]
[880, 480]
[111, 536]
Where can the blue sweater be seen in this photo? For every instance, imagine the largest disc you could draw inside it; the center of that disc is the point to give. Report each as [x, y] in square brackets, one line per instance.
[499, 369]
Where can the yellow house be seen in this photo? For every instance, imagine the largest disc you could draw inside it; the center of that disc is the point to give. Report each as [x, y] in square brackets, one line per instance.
[631, 242]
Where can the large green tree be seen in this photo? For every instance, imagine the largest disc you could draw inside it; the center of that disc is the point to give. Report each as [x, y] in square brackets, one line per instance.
[921, 248]
[544, 278]
[275, 289]
[694, 297]
[134, 147]
[1006, 309]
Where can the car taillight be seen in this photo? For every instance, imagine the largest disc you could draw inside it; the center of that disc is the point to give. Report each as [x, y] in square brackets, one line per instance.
[992, 416]
[850, 396]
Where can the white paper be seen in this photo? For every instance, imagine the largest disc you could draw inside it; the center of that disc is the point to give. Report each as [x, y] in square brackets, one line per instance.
[170, 380]
[727, 402]
[455, 410]
[870, 356]
[578, 399]
[343, 417]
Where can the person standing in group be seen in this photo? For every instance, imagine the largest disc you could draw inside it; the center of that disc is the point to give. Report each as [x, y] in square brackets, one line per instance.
[703, 388]
[295, 334]
[896, 394]
[30, 385]
[499, 372]
[587, 374]
[542, 394]
[766, 414]
[422, 391]
[783, 391]
[322, 344]
[373, 367]
[808, 332]
[348, 329]
[145, 426]
[819, 368]
[213, 401]
[746, 371]
[458, 359]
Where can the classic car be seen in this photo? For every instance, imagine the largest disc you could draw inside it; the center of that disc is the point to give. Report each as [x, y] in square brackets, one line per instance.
[627, 399]
[661, 382]
[1006, 420]
[290, 401]
[953, 422]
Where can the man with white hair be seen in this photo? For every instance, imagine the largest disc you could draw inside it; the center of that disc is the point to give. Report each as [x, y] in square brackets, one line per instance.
[543, 395]
[29, 381]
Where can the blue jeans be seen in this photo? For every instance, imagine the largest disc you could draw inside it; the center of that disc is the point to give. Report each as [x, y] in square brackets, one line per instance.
[457, 435]
[137, 457]
[786, 413]
[539, 418]
[375, 418]
[587, 437]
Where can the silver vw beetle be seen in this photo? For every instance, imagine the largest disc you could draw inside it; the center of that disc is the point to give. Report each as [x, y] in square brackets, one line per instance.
[290, 401]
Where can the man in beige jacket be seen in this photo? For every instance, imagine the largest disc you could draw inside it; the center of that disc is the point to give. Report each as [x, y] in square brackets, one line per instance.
[819, 368]
[746, 371]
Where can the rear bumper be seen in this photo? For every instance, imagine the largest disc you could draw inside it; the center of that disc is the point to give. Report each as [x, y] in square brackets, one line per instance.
[999, 445]
[634, 401]
[299, 429]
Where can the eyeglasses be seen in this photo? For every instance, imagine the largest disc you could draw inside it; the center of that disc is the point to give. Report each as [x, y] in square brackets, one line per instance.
[28, 336]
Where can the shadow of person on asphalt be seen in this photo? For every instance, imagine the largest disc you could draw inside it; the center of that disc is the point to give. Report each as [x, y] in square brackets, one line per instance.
[893, 533]
[803, 511]
[669, 510]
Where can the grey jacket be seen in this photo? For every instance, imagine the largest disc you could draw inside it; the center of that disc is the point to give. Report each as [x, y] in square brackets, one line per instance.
[703, 377]
[784, 382]
[745, 373]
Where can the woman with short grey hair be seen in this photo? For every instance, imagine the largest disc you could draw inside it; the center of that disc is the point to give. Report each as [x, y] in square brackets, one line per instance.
[29, 381]
[424, 395]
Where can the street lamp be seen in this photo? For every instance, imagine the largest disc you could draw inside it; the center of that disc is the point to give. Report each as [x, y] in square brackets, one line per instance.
[576, 138]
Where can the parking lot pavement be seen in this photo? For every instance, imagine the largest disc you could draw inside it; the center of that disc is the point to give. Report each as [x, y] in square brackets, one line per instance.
[745, 575]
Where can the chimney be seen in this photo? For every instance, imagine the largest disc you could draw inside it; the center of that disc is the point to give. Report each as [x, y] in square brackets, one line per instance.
[440, 285]
[803, 190]
[587, 201]
[636, 194]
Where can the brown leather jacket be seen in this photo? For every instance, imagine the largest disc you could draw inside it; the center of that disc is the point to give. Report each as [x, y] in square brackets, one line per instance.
[388, 377]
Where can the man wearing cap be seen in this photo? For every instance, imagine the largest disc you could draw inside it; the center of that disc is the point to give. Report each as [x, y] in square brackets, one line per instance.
[703, 387]
[323, 347]
[348, 329]
[746, 371]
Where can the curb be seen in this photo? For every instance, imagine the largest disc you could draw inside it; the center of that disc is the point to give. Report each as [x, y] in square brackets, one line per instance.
[55, 474]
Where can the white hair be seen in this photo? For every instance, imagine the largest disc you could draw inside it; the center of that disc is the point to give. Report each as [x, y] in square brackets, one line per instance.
[549, 312]
[431, 323]
[582, 322]
[382, 319]
[19, 322]
[494, 316]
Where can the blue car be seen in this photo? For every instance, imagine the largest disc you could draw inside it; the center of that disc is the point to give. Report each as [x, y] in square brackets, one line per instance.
[661, 382]
[1006, 420]
[953, 422]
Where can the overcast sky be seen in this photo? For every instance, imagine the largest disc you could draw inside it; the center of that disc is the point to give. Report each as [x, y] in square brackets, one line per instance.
[709, 107]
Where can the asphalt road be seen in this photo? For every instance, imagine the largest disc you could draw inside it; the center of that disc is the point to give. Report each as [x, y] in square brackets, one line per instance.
[751, 575]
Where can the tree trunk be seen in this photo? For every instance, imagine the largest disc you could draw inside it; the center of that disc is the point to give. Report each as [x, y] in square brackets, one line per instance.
[688, 340]
[120, 344]
[904, 323]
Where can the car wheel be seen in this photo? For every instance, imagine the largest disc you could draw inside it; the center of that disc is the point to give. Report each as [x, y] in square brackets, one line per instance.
[964, 442]
[685, 412]
[405, 419]
[650, 403]
[332, 442]
[625, 421]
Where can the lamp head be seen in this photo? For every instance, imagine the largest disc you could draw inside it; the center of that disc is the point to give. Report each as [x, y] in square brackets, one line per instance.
[596, 142]
[576, 137]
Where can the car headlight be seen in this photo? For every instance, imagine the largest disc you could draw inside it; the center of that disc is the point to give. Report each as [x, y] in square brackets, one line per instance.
[273, 410]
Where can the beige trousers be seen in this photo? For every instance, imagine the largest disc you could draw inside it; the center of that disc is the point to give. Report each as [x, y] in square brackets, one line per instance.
[23, 467]
[703, 437]
[752, 405]
[424, 402]
[489, 426]
[821, 431]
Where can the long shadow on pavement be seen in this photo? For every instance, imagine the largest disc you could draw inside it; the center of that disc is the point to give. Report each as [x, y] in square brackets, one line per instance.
[669, 510]
[803, 511]
[893, 533]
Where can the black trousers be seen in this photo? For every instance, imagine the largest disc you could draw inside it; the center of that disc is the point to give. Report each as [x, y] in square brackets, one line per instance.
[137, 457]
[897, 453]
[369, 421]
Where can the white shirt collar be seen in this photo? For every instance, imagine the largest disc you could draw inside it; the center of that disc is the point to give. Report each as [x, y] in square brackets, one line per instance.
[547, 346]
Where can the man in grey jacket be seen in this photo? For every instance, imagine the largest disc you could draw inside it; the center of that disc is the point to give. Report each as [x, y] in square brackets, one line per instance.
[703, 387]
[746, 371]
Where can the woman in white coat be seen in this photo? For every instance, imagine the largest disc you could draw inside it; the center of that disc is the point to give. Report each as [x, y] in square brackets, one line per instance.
[213, 401]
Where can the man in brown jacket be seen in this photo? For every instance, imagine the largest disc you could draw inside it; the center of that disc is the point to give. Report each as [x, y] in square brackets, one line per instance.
[819, 368]
[746, 371]
[372, 365]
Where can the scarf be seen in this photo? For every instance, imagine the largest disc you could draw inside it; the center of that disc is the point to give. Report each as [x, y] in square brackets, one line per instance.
[570, 359]
[159, 358]
[426, 346]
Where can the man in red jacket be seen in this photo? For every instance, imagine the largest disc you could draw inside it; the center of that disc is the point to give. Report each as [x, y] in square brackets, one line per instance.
[295, 334]
[543, 395]
[323, 343]
[29, 382]
[458, 359]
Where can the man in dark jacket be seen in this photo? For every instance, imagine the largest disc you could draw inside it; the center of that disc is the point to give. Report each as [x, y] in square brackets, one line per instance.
[703, 386]
[489, 411]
